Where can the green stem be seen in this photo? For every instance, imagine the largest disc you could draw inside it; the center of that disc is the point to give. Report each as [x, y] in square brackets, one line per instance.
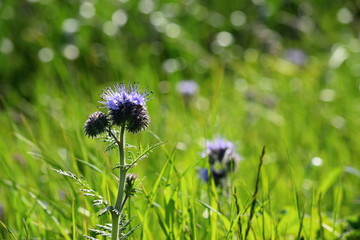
[253, 203]
[116, 216]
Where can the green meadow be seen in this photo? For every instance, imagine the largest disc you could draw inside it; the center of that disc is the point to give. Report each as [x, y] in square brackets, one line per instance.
[279, 74]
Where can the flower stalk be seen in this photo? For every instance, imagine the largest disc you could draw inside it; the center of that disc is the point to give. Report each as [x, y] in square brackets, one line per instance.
[116, 215]
[127, 111]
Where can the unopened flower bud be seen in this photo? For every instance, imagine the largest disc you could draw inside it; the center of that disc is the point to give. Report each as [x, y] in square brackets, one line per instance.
[138, 119]
[130, 180]
[96, 124]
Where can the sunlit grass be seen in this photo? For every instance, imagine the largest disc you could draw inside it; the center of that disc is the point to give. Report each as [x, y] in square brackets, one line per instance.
[306, 115]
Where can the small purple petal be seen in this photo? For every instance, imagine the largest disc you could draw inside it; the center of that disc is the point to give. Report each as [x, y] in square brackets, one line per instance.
[116, 97]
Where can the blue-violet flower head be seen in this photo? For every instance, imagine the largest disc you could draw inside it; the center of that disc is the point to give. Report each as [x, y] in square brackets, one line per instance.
[127, 106]
[116, 97]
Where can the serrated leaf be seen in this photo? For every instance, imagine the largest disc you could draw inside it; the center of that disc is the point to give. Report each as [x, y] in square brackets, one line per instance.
[91, 238]
[104, 227]
[99, 232]
[129, 232]
[104, 210]
[110, 147]
[144, 153]
[123, 225]
[85, 187]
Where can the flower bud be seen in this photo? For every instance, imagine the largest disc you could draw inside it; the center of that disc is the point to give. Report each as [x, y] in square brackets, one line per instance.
[130, 180]
[138, 119]
[96, 124]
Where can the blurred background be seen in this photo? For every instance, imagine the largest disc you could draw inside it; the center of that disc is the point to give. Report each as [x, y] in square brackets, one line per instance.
[105, 41]
[279, 73]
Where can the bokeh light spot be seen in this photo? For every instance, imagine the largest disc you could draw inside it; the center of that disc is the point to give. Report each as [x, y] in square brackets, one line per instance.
[87, 10]
[6, 46]
[344, 16]
[119, 17]
[327, 95]
[71, 52]
[46, 55]
[110, 28]
[70, 25]
[316, 161]
[224, 39]
[237, 18]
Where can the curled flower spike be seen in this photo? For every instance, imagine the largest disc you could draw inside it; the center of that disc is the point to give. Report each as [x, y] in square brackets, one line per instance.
[127, 106]
[96, 124]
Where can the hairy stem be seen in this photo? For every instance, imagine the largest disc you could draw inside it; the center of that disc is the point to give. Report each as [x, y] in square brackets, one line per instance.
[116, 215]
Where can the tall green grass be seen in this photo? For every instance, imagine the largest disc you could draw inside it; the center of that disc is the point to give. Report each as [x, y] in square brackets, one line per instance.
[248, 94]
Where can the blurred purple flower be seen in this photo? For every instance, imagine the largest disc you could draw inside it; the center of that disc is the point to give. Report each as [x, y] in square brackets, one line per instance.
[222, 160]
[187, 88]
[296, 56]
[220, 150]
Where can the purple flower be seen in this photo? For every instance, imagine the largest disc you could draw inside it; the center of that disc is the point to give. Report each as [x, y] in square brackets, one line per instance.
[296, 56]
[116, 97]
[222, 160]
[127, 106]
[223, 152]
[187, 88]
[218, 150]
